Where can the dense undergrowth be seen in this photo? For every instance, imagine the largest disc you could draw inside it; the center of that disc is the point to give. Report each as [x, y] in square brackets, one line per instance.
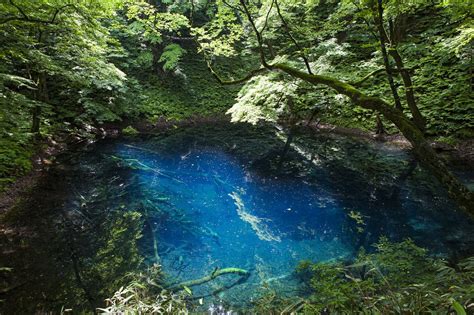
[396, 278]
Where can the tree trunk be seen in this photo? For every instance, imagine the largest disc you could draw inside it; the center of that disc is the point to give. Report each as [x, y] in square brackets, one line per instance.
[409, 94]
[42, 96]
[380, 130]
[382, 36]
[35, 123]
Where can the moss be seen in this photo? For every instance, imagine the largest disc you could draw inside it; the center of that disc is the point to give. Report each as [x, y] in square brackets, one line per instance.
[130, 131]
[448, 140]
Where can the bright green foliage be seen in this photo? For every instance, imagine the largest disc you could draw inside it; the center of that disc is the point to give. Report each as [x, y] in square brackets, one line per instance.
[145, 295]
[189, 93]
[155, 30]
[396, 278]
[135, 299]
[14, 137]
[56, 75]
[270, 98]
[170, 56]
[130, 131]
[219, 36]
[152, 24]
[339, 38]
[261, 99]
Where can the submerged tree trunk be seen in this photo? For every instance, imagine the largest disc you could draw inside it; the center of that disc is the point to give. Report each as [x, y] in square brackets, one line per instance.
[216, 273]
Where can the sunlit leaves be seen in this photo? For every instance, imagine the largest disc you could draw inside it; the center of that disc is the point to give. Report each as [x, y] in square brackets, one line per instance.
[170, 56]
[221, 34]
[153, 24]
[262, 98]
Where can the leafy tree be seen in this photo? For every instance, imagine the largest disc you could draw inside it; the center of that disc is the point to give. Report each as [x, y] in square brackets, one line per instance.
[56, 75]
[157, 27]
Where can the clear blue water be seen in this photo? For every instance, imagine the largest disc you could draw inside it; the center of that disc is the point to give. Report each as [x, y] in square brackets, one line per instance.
[240, 219]
[236, 212]
[215, 196]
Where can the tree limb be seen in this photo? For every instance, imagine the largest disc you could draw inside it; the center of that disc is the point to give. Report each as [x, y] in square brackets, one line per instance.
[28, 19]
[250, 75]
[418, 118]
[232, 6]
[288, 32]
[257, 33]
[19, 10]
[216, 273]
[378, 16]
[266, 17]
[368, 76]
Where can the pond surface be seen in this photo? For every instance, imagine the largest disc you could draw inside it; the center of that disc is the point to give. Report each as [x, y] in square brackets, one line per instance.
[216, 197]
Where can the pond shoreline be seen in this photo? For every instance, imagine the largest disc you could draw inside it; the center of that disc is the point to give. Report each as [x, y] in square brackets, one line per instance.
[187, 179]
[463, 152]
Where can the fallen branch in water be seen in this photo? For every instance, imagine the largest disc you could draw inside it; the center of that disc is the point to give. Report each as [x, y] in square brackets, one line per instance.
[153, 231]
[216, 273]
[134, 163]
[141, 149]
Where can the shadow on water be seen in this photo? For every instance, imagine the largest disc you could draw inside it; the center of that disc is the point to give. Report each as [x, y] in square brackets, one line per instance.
[206, 197]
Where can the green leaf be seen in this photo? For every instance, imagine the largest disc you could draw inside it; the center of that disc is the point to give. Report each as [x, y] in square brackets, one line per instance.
[458, 308]
[188, 290]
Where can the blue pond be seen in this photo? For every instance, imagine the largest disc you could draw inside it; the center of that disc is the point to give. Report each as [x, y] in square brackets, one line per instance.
[219, 196]
[225, 202]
